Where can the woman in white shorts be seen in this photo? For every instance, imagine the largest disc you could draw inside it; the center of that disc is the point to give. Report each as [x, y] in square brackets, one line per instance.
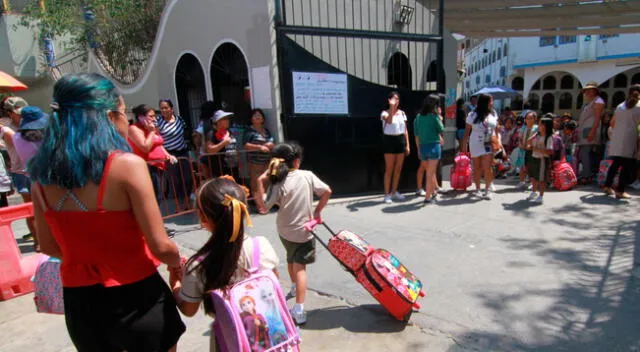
[481, 126]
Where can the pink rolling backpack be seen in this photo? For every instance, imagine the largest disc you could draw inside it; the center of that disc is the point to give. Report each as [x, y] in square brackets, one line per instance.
[252, 315]
[461, 174]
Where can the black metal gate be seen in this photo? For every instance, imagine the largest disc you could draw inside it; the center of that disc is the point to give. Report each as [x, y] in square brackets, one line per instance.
[380, 45]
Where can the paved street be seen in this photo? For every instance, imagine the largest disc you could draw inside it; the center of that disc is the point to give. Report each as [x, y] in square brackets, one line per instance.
[500, 275]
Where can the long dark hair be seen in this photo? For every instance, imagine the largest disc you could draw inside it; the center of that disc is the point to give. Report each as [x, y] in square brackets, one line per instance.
[634, 96]
[283, 157]
[393, 93]
[141, 110]
[430, 105]
[548, 128]
[482, 108]
[217, 260]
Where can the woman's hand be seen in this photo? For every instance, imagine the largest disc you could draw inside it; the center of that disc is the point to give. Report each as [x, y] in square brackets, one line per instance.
[264, 149]
[172, 159]
[441, 140]
[407, 151]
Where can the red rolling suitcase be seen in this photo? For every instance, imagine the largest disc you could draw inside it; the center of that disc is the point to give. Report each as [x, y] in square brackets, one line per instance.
[377, 270]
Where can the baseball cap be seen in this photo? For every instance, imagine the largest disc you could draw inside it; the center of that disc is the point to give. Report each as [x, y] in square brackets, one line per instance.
[33, 118]
[220, 114]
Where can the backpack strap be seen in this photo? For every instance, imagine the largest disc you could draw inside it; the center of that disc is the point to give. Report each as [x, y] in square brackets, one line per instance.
[255, 258]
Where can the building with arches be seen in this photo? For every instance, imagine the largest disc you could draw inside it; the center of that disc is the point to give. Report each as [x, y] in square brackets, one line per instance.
[550, 71]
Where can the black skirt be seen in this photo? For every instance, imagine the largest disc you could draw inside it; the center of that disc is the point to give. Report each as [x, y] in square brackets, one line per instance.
[394, 144]
[138, 317]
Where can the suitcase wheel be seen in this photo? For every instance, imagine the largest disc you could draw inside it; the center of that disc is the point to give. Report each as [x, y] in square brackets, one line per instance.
[422, 293]
[407, 317]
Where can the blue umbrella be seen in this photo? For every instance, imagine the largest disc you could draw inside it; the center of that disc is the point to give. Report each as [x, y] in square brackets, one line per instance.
[499, 92]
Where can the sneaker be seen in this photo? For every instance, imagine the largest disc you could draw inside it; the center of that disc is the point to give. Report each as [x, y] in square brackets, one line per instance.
[427, 201]
[387, 199]
[299, 317]
[532, 196]
[492, 188]
[521, 186]
[538, 200]
[635, 185]
[478, 194]
[170, 232]
[488, 194]
[398, 196]
[421, 193]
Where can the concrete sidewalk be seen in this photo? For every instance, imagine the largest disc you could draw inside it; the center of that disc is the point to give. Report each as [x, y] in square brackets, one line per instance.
[333, 325]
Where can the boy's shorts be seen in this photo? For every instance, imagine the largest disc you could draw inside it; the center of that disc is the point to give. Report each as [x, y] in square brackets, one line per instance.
[300, 253]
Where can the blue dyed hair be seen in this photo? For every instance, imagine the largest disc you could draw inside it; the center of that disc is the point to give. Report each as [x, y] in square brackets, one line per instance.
[80, 135]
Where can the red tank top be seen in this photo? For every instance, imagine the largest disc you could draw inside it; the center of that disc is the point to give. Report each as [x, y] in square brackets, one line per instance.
[155, 156]
[101, 246]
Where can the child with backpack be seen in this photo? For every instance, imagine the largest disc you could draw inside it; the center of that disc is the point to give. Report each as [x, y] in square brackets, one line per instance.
[529, 129]
[541, 146]
[226, 257]
[293, 190]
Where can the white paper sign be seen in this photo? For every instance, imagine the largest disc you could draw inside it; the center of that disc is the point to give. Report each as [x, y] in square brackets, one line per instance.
[261, 80]
[320, 93]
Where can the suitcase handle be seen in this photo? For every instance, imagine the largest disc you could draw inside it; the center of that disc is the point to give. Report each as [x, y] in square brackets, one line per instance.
[310, 225]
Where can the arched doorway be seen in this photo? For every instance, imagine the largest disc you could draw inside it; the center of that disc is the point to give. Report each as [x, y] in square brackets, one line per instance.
[432, 72]
[548, 103]
[399, 71]
[230, 80]
[190, 88]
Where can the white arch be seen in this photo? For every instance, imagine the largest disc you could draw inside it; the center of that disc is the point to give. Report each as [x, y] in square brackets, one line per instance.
[135, 87]
[175, 69]
[246, 60]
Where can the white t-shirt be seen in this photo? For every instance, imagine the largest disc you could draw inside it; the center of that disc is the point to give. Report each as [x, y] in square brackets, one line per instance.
[398, 123]
[295, 198]
[481, 133]
[538, 142]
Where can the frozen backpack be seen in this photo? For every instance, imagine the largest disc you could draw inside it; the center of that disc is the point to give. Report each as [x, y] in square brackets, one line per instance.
[252, 315]
[48, 287]
[604, 170]
[564, 178]
[461, 175]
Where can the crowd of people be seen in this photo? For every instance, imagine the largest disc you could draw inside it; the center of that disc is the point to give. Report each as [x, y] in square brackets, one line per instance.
[528, 146]
[93, 171]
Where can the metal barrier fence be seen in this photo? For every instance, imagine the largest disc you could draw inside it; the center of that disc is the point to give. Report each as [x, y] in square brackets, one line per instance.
[175, 186]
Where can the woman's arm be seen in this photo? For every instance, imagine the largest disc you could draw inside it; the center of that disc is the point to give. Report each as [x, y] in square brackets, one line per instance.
[387, 117]
[256, 147]
[598, 108]
[145, 144]
[7, 136]
[187, 308]
[212, 148]
[465, 141]
[48, 243]
[172, 159]
[406, 139]
[147, 213]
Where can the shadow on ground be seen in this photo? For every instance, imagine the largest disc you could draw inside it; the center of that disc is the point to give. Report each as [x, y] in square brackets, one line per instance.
[372, 319]
[597, 309]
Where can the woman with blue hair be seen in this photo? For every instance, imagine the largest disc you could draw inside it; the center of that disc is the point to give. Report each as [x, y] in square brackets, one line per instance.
[94, 210]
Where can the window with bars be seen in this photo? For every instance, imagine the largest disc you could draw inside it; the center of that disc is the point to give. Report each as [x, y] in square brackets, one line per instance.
[547, 41]
[567, 39]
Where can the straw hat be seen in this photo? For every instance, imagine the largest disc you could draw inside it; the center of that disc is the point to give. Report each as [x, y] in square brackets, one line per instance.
[591, 85]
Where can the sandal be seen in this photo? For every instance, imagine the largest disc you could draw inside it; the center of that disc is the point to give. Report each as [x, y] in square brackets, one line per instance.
[608, 191]
[623, 195]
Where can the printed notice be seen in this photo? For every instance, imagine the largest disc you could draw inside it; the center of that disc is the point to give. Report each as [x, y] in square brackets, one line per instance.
[320, 93]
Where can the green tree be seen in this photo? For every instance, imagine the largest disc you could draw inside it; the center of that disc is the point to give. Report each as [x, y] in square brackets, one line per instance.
[120, 32]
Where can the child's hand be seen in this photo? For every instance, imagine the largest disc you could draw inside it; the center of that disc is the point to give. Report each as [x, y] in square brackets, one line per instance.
[317, 216]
